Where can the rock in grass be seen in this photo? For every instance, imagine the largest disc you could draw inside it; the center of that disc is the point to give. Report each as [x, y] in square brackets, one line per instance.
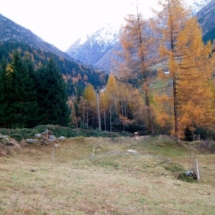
[52, 137]
[31, 141]
[132, 151]
[38, 135]
[61, 138]
[5, 137]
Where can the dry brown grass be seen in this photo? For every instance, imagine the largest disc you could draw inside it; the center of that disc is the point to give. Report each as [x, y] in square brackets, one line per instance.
[111, 182]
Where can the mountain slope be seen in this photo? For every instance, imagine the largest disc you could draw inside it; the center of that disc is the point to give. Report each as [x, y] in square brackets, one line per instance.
[15, 37]
[206, 18]
[98, 49]
[10, 31]
[198, 5]
[91, 49]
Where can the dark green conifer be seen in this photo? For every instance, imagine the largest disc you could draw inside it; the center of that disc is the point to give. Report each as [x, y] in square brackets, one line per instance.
[52, 97]
[23, 98]
[3, 100]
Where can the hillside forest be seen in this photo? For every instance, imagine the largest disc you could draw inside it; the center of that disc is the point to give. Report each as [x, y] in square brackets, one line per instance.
[161, 83]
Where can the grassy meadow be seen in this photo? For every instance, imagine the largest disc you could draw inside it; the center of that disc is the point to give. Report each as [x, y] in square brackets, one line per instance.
[96, 176]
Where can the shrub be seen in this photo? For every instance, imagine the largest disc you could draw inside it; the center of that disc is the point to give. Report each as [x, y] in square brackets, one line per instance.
[19, 134]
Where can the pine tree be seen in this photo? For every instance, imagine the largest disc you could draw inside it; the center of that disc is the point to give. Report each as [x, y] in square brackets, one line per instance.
[3, 96]
[22, 95]
[52, 97]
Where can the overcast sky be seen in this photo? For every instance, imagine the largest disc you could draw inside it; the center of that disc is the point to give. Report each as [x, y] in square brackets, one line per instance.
[61, 22]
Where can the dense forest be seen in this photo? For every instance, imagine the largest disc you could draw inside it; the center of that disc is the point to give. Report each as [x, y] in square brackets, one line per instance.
[76, 75]
[30, 97]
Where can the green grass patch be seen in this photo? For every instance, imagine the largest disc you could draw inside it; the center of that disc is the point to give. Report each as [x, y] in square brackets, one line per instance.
[113, 181]
[164, 146]
[159, 83]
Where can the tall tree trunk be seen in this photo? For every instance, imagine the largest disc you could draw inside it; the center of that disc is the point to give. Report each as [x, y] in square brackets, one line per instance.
[105, 121]
[87, 119]
[172, 58]
[151, 127]
[83, 115]
[98, 110]
[110, 120]
[175, 108]
[145, 81]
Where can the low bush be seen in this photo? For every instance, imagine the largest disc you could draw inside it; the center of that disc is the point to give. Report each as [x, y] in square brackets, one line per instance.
[19, 134]
[57, 130]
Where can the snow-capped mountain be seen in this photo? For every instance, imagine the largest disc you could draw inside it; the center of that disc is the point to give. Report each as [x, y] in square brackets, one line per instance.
[197, 5]
[96, 49]
[206, 17]
[90, 49]
[11, 31]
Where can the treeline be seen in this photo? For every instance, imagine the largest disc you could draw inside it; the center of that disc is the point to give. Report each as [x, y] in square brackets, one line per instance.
[76, 75]
[29, 97]
[117, 107]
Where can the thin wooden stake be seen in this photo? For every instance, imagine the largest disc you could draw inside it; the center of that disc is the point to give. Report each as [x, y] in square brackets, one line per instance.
[197, 169]
[53, 156]
[93, 151]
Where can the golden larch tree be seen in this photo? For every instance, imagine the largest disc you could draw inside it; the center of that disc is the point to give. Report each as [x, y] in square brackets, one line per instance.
[112, 96]
[90, 97]
[104, 107]
[190, 67]
[136, 57]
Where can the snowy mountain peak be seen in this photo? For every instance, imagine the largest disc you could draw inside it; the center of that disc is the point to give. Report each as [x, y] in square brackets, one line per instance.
[107, 34]
[96, 48]
[197, 5]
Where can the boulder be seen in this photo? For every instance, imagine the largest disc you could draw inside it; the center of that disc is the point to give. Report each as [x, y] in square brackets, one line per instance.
[61, 138]
[5, 137]
[8, 145]
[52, 137]
[38, 135]
[51, 140]
[31, 141]
[132, 151]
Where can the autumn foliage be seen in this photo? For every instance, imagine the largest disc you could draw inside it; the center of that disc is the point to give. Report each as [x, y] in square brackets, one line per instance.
[172, 43]
[189, 102]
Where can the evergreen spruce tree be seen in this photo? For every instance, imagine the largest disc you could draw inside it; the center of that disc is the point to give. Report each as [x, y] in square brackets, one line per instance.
[22, 97]
[33, 118]
[3, 102]
[52, 97]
